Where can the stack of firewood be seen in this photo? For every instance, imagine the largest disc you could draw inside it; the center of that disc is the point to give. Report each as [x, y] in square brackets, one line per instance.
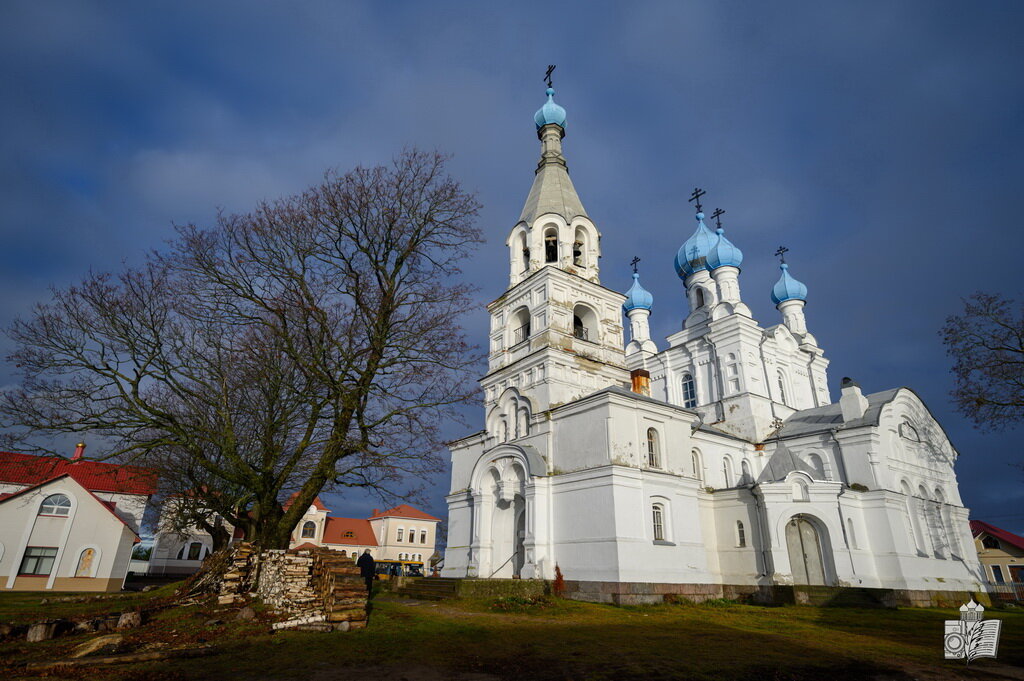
[340, 587]
[237, 579]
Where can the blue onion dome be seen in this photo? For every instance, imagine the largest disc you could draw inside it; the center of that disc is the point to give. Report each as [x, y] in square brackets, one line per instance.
[692, 255]
[724, 253]
[550, 112]
[637, 297]
[787, 288]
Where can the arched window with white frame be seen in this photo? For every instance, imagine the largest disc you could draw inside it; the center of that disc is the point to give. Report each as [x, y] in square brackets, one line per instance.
[781, 378]
[741, 535]
[698, 465]
[726, 472]
[658, 521]
[653, 448]
[689, 391]
[746, 477]
[551, 244]
[56, 504]
[308, 529]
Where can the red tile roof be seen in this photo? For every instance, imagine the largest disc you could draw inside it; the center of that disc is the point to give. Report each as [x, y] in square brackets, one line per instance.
[336, 529]
[301, 547]
[979, 526]
[404, 511]
[95, 476]
[316, 502]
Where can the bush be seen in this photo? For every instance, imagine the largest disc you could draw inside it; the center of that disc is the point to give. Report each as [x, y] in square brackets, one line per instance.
[558, 586]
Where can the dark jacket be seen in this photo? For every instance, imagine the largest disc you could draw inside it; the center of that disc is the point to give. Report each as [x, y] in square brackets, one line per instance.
[366, 565]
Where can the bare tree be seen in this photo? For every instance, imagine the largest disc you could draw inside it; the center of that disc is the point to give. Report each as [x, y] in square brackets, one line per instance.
[986, 343]
[312, 343]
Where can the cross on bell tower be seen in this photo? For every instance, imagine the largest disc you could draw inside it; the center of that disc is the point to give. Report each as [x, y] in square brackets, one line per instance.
[695, 198]
[634, 262]
[781, 254]
[547, 76]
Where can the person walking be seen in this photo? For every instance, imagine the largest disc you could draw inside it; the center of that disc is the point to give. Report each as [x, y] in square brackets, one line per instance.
[368, 569]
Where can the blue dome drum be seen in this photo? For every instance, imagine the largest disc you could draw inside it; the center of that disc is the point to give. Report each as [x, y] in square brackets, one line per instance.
[550, 113]
[724, 253]
[637, 297]
[692, 255]
[787, 288]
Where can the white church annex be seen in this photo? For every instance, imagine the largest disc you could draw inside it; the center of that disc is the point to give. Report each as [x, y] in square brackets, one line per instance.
[717, 465]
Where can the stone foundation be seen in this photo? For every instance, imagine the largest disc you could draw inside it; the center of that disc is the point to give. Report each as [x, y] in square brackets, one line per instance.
[641, 593]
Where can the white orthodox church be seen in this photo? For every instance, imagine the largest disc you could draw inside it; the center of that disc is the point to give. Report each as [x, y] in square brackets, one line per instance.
[716, 465]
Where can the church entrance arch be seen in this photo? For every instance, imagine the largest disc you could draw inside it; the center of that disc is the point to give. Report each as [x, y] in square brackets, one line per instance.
[804, 542]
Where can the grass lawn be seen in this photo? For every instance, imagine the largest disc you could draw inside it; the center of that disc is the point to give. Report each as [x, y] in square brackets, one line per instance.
[471, 641]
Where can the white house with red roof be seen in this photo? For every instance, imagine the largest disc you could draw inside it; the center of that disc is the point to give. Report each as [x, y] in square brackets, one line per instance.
[68, 524]
[1001, 553]
[400, 533]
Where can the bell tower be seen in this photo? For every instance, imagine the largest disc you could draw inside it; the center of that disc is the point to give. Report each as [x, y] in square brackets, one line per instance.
[556, 333]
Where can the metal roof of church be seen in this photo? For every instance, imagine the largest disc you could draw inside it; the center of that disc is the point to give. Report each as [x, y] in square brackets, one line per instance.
[830, 416]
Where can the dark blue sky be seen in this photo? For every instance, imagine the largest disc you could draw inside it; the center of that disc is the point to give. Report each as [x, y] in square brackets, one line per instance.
[881, 142]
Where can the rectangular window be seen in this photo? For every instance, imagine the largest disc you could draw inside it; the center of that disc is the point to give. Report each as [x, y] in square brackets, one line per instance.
[38, 560]
[401, 533]
[423, 537]
[412, 536]
[997, 574]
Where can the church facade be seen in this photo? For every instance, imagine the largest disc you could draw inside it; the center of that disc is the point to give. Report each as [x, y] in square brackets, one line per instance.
[714, 465]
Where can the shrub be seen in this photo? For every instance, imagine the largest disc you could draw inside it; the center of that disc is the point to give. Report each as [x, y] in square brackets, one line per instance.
[558, 586]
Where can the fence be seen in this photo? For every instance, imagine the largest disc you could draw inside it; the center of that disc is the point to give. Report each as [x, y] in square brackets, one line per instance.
[1006, 592]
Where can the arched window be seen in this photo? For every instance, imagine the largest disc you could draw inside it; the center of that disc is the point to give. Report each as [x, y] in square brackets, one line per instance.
[653, 449]
[423, 537]
[308, 529]
[584, 323]
[727, 472]
[849, 531]
[55, 504]
[520, 326]
[800, 490]
[698, 297]
[741, 535]
[658, 520]
[782, 386]
[525, 248]
[577, 253]
[191, 551]
[401, 533]
[817, 465]
[551, 245]
[85, 563]
[745, 474]
[698, 467]
[689, 391]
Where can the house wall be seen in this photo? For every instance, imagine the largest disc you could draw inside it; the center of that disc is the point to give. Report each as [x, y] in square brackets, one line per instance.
[88, 526]
[1009, 558]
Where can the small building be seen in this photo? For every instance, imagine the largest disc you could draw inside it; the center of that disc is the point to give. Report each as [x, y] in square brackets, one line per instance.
[69, 524]
[1001, 552]
[400, 533]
